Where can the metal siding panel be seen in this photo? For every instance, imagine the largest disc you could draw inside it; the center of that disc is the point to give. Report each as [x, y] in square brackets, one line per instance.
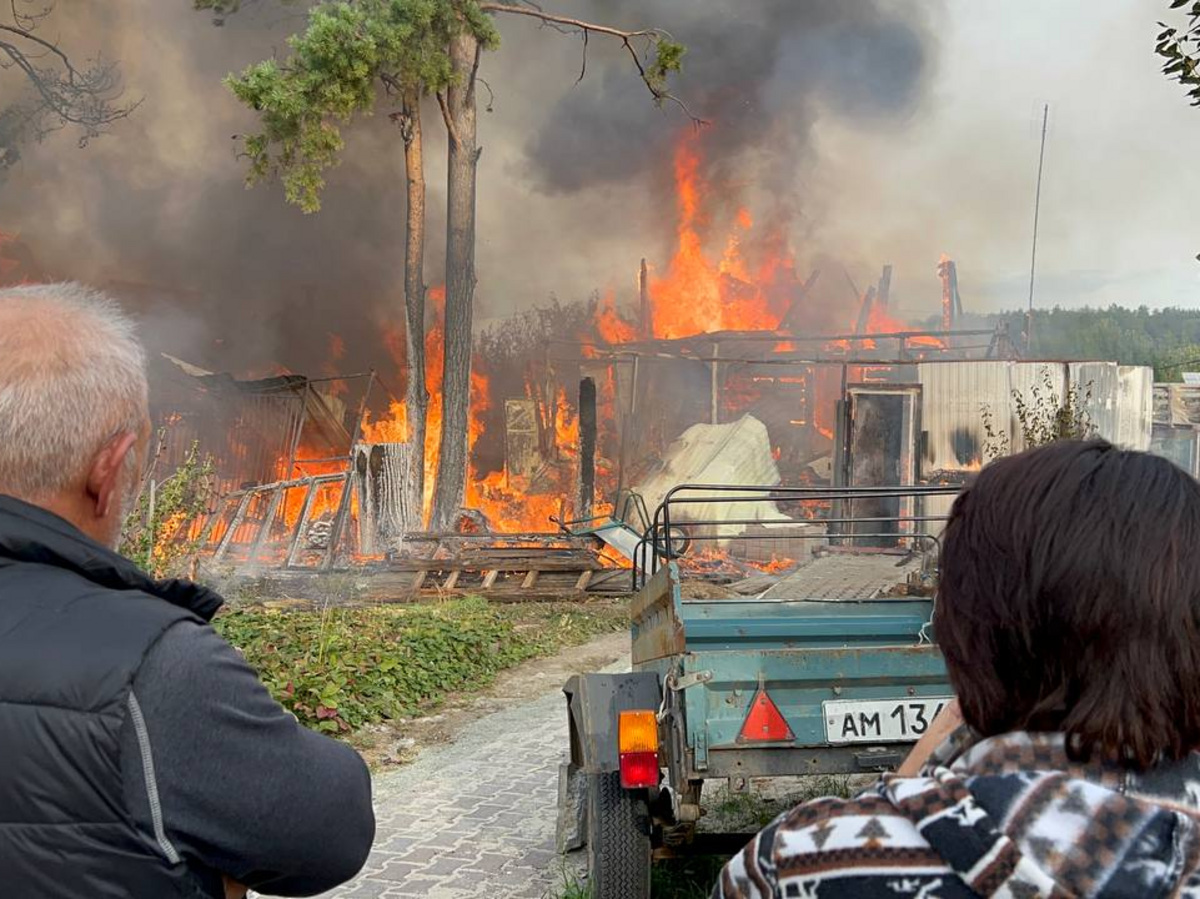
[1135, 406]
[1101, 381]
[952, 397]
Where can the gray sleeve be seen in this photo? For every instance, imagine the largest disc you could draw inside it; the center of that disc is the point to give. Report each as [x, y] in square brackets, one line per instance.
[219, 773]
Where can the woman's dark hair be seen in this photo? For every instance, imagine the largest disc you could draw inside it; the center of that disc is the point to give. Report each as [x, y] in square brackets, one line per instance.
[1070, 599]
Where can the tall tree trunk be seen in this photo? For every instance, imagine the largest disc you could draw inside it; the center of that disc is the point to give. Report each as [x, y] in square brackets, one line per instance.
[460, 281]
[416, 395]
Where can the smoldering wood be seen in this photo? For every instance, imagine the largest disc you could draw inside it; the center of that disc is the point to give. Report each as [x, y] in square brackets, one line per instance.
[343, 510]
[587, 447]
[645, 311]
[793, 319]
[385, 505]
[522, 454]
[864, 311]
[883, 295]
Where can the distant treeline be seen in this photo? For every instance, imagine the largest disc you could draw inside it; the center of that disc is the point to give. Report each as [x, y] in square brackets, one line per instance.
[1168, 339]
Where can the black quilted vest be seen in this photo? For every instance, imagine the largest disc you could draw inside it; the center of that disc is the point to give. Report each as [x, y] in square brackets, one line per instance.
[76, 620]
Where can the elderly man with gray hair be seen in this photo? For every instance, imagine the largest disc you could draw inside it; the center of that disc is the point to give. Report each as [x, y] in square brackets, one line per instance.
[139, 755]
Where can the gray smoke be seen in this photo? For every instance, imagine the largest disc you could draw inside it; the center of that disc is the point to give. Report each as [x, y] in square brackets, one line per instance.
[758, 71]
[574, 180]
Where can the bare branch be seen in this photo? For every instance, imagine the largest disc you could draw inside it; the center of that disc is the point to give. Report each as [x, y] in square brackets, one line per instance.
[474, 73]
[583, 67]
[33, 38]
[448, 119]
[554, 18]
[64, 94]
[491, 94]
[651, 36]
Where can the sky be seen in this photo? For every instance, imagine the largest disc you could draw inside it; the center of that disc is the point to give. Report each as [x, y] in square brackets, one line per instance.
[1120, 183]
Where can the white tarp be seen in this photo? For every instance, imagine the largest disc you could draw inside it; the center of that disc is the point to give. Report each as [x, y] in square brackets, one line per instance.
[735, 453]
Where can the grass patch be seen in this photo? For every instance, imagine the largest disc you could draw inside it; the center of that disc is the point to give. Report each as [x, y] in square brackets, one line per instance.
[340, 668]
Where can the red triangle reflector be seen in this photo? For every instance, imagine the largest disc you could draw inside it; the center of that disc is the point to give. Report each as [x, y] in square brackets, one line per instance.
[764, 723]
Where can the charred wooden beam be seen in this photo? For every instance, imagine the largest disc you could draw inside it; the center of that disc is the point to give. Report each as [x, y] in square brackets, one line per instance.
[883, 295]
[645, 310]
[587, 447]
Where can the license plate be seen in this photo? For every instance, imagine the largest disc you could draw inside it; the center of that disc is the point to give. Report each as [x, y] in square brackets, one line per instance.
[880, 721]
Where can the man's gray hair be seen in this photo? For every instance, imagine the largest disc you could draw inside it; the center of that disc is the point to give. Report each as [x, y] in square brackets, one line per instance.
[72, 376]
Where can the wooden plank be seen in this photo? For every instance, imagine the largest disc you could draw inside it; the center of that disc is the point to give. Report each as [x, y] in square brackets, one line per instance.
[584, 578]
[531, 578]
[298, 529]
[452, 580]
[419, 580]
[339, 517]
[227, 537]
[489, 578]
[265, 529]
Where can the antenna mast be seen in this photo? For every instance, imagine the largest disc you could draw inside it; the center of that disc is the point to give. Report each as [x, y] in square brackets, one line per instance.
[1037, 205]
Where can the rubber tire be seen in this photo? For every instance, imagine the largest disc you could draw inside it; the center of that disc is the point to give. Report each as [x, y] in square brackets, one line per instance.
[618, 840]
[679, 544]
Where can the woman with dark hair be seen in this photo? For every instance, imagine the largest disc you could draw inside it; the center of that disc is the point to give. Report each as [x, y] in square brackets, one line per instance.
[1069, 618]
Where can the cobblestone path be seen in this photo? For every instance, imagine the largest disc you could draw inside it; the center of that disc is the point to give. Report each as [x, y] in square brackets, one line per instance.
[475, 818]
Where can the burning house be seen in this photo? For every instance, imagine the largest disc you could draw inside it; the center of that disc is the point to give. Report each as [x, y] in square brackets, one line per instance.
[735, 370]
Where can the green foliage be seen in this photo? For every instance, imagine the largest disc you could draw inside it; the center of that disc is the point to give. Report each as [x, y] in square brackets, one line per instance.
[333, 72]
[1180, 48]
[668, 58]
[1162, 338]
[151, 534]
[1043, 417]
[342, 668]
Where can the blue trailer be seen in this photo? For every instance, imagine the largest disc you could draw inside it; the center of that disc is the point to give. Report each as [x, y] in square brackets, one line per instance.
[831, 669]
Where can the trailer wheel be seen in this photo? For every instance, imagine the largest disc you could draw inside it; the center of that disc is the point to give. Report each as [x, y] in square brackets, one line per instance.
[618, 840]
[673, 542]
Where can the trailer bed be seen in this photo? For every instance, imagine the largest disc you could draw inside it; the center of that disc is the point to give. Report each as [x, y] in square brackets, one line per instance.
[840, 576]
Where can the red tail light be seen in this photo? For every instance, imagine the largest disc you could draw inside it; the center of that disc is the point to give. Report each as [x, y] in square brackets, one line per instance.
[639, 769]
[764, 723]
[637, 737]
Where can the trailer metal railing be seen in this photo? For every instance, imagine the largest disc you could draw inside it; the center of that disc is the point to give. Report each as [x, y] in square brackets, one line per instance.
[672, 531]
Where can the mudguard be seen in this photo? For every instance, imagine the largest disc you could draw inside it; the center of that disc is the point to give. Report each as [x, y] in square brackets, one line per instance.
[594, 702]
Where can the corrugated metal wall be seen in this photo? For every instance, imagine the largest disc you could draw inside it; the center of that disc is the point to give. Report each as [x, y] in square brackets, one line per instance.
[954, 395]
[1135, 423]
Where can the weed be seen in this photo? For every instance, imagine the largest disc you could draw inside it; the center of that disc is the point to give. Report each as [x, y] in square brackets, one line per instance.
[1043, 417]
[573, 887]
[154, 533]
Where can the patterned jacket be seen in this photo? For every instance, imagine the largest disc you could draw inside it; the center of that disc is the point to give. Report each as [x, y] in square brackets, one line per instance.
[1009, 816]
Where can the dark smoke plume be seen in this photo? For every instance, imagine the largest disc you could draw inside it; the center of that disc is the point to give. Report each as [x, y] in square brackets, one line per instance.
[759, 71]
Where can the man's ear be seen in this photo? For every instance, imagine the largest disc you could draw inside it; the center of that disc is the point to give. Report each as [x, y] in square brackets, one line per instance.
[104, 478]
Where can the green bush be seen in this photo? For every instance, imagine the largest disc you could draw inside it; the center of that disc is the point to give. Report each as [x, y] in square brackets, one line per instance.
[342, 668]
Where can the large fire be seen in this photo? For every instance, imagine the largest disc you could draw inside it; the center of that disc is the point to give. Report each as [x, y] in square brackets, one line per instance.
[700, 294]
[741, 278]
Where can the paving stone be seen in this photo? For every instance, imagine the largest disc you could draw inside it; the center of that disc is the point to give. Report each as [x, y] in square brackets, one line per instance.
[458, 824]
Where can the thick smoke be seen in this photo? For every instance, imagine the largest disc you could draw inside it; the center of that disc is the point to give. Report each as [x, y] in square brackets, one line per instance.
[574, 180]
[759, 72]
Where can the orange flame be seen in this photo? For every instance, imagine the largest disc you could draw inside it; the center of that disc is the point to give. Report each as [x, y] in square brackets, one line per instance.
[611, 327]
[699, 295]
